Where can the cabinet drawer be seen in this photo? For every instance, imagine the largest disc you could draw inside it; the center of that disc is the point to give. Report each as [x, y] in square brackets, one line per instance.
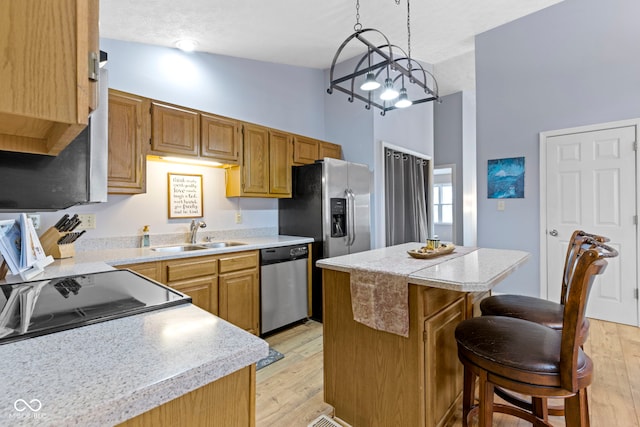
[148, 269]
[238, 262]
[435, 299]
[189, 268]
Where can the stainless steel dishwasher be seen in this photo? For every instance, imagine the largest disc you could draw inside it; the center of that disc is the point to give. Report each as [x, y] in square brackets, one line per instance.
[283, 286]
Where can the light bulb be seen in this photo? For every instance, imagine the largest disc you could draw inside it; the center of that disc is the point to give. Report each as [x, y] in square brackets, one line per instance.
[389, 92]
[403, 100]
[370, 83]
[187, 45]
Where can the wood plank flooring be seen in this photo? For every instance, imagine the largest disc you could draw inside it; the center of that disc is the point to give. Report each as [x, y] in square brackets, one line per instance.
[289, 392]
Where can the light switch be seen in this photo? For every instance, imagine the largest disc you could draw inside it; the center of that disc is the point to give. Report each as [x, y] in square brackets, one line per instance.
[500, 205]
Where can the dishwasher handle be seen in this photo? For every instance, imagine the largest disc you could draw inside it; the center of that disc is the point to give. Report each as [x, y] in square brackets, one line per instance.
[283, 254]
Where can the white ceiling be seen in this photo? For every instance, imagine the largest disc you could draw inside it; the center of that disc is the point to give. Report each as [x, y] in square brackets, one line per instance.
[308, 33]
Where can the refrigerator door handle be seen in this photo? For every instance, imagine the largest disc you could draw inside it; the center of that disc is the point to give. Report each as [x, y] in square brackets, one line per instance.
[351, 226]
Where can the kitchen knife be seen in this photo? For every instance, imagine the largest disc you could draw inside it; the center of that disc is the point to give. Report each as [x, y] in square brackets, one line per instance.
[69, 223]
[75, 236]
[74, 223]
[62, 220]
[70, 238]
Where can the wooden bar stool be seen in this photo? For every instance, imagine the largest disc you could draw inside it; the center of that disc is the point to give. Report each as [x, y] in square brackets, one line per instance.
[532, 359]
[544, 312]
[539, 310]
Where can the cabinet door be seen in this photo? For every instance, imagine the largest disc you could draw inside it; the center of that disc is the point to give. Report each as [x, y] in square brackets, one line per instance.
[256, 159]
[328, 149]
[305, 150]
[443, 372]
[45, 90]
[175, 130]
[203, 292]
[129, 123]
[239, 299]
[279, 163]
[220, 138]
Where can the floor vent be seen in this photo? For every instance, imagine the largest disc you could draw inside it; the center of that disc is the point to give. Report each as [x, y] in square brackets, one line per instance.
[323, 421]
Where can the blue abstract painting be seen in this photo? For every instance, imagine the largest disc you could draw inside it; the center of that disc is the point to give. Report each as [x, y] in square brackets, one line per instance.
[505, 178]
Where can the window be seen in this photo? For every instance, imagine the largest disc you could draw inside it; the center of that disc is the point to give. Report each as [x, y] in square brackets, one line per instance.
[443, 203]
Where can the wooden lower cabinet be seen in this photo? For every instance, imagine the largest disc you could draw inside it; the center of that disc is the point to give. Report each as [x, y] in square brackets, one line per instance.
[225, 285]
[203, 292]
[443, 371]
[375, 378]
[196, 277]
[239, 288]
[227, 402]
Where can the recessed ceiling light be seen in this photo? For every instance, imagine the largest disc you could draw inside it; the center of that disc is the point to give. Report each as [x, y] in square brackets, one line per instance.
[187, 45]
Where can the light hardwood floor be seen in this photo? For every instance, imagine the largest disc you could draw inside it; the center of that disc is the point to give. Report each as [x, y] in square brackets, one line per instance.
[289, 392]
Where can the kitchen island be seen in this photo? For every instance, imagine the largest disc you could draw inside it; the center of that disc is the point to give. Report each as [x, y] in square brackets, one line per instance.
[409, 376]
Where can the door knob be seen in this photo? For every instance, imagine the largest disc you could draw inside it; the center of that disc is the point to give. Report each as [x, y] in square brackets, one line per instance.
[553, 232]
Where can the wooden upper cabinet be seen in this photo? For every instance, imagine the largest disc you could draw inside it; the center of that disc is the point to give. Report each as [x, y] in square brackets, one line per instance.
[327, 149]
[265, 169]
[46, 94]
[129, 127]
[280, 163]
[256, 159]
[220, 138]
[175, 130]
[305, 150]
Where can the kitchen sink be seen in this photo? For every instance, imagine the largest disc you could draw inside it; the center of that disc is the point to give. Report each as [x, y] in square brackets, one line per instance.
[179, 248]
[197, 247]
[217, 245]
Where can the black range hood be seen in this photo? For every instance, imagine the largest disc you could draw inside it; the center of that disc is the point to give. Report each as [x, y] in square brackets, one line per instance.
[78, 175]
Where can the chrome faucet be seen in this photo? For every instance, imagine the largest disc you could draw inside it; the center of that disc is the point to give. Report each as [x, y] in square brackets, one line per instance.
[194, 229]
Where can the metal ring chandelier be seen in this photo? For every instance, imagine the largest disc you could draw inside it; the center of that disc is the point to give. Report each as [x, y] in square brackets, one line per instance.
[387, 63]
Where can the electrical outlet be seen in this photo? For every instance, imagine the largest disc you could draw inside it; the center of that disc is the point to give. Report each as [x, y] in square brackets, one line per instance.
[36, 221]
[238, 217]
[88, 222]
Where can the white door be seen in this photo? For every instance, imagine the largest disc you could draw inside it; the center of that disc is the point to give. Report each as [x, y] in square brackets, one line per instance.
[591, 185]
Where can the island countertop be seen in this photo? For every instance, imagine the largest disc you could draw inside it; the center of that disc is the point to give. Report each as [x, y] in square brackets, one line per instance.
[474, 270]
[106, 373]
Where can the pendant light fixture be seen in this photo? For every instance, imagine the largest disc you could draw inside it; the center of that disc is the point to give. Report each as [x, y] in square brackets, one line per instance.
[383, 57]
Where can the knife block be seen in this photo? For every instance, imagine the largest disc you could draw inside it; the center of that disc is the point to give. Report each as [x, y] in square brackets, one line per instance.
[49, 242]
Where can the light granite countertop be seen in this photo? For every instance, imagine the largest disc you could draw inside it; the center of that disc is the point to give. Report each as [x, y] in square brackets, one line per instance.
[135, 255]
[106, 373]
[466, 270]
[100, 260]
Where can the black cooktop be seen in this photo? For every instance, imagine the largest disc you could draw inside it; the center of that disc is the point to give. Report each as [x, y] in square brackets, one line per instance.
[30, 309]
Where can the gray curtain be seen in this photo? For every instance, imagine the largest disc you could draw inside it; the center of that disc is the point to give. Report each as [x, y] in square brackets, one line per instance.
[408, 194]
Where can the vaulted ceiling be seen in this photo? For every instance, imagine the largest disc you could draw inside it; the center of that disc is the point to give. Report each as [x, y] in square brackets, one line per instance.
[308, 33]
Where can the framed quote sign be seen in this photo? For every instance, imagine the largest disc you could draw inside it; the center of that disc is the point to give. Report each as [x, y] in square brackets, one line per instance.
[185, 196]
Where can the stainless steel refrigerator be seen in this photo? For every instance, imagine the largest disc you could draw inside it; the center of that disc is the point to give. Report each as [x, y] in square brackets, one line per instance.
[331, 203]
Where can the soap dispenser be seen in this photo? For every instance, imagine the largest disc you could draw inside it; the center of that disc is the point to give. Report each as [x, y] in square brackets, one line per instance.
[145, 236]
